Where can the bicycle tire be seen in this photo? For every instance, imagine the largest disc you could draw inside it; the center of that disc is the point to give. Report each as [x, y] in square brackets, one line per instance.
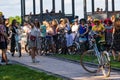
[73, 49]
[106, 64]
[88, 61]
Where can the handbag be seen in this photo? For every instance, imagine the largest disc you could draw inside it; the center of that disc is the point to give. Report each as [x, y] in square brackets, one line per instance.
[32, 38]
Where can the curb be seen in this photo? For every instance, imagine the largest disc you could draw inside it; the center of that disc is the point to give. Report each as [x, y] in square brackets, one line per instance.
[41, 70]
[75, 61]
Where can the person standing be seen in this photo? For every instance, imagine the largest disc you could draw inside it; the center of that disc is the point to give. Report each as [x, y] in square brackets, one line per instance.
[3, 40]
[43, 36]
[108, 31]
[38, 43]
[116, 40]
[32, 42]
[12, 37]
[75, 29]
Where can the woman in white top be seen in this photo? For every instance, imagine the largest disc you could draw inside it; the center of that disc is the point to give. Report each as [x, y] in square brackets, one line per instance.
[75, 28]
[32, 42]
[38, 32]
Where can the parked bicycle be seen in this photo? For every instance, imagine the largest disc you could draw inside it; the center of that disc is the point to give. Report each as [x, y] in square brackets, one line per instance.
[61, 41]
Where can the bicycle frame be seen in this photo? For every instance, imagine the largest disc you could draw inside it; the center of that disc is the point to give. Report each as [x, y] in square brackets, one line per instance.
[97, 52]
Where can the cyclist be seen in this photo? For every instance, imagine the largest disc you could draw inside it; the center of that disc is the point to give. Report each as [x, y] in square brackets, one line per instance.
[99, 29]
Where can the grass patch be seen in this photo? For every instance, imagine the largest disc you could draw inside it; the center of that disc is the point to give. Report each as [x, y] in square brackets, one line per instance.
[76, 57]
[17, 72]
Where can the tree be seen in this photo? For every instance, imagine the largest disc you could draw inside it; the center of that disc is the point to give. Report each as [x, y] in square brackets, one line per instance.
[18, 18]
[11, 19]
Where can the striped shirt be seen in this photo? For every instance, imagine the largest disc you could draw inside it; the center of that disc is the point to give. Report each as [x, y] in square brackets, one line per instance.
[2, 30]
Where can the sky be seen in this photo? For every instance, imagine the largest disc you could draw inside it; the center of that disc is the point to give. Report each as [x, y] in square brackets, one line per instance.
[13, 7]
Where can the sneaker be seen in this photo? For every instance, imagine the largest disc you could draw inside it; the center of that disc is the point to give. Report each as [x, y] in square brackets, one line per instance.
[20, 55]
[35, 61]
[2, 60]
[3, 63]
[12, 55]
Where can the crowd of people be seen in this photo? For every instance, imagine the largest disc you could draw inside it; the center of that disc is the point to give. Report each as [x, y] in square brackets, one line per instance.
[75, 30]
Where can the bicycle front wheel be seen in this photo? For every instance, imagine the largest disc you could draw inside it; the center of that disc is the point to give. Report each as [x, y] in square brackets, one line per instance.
[106, 67]
[89, 61]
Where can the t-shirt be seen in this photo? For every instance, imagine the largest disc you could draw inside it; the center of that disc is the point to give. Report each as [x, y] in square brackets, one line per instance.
[43, 30]
[33, 31]
[75, 28]
[99, 29]
[26, 29]
[82, 29]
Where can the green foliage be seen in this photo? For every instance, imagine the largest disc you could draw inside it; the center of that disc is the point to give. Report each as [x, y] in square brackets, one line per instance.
[10, 19]
[18, 18]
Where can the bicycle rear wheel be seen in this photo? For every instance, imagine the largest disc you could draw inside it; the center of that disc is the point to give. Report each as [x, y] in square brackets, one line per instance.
[89, 61]
[73, 49]
[106, 68]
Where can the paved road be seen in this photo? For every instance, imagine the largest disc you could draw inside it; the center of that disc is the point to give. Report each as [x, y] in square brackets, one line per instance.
[62, 68]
